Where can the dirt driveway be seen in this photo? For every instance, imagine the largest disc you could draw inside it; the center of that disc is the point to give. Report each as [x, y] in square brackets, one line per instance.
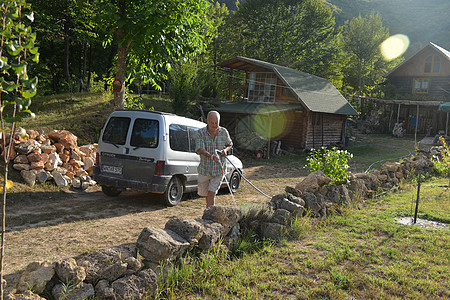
[61, 224]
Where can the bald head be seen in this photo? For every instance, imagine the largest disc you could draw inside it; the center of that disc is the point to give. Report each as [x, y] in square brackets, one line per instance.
[213, 120]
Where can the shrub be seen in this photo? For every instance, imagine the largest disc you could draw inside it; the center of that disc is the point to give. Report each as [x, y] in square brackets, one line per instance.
[442, 164]
[332, 162]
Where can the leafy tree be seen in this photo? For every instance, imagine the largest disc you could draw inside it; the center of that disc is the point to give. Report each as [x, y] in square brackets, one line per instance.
[150, 33]
[68, 41]
[17, 49]
[362, 37]
[183, 86]
[295, 33]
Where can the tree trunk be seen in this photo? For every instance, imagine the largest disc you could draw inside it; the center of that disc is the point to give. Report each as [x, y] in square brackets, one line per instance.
[121, 71]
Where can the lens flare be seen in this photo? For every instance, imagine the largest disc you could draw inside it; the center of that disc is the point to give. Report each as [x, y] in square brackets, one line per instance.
[269, 122]
[394, 46]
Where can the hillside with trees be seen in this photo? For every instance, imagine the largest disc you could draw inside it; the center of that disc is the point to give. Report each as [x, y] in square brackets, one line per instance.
[421, 21]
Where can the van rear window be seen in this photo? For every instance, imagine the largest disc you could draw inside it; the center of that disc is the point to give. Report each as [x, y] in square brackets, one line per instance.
[116, 131]
[145, 133]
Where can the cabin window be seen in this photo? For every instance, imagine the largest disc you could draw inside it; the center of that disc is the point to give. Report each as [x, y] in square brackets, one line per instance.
[432, 64]
[420, 86]
[262, 87]
[283, 92]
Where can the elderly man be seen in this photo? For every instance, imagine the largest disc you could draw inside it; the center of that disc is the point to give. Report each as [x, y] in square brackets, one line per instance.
[211, 138]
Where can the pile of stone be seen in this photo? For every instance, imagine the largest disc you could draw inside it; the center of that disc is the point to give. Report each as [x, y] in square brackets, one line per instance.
[40, 157]
[117, 273]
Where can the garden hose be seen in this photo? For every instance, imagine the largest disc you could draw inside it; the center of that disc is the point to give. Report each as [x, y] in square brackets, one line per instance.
[381, 145]
[242, 175]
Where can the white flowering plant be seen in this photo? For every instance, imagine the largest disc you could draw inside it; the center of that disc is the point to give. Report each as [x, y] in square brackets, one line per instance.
[332, 162]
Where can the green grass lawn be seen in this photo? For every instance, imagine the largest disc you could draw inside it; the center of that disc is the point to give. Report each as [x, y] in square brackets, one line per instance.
[362, 253]
[359, 254]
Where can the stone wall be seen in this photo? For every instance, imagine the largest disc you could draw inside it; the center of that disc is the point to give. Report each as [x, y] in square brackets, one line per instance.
[119, 272]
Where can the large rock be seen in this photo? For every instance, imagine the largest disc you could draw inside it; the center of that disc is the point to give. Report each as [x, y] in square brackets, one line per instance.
[80, 291]
[114, 271]
[103, 290]
[156, 245]
[272, 231]
[48, 149]
[27, 295]
[190, 230]
[27, 146]
[357, 189]
[313, 182]
[133, 264]
[315, 203]
[64, 137]
[95, 262]
[143, 285]
[212, 232]
[60, 179]
[35, 277]
[226, 216]
[344, 198]
[21, 159]
[34, 157]
[233, 236]
[292, 191]
[29, 176]
[281, 216]
[69, 272]
[292, 207]
[21, 167]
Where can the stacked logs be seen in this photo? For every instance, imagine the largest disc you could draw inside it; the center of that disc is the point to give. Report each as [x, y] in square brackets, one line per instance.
[56, 156]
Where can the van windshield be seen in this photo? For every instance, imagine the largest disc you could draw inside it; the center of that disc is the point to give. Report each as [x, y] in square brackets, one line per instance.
[145, 133]
[116, 131]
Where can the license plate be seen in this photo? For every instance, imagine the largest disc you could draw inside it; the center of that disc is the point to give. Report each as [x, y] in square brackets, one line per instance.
[112, 170]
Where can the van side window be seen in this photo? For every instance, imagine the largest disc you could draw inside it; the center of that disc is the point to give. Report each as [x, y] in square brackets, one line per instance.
[182, 137]
[145, 133]
[116, 130]
[178, 138]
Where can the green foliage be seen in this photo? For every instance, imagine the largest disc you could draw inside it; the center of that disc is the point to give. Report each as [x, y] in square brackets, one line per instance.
[248, 243]
[442, 164]
[361, 38]
[333, 163]
[183, 86]
[150, 35]
[295, 34]
[17, 49]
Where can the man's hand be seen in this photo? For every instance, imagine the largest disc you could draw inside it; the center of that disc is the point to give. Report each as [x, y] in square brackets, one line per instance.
[222, 152]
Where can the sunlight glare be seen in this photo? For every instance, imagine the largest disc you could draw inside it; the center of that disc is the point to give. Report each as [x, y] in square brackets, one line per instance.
[394, 46]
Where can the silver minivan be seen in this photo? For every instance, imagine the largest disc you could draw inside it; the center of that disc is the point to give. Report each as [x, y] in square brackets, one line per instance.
[153, 152]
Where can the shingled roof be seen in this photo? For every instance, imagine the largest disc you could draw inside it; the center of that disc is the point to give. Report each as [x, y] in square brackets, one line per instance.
[316, 94]
[441, 50]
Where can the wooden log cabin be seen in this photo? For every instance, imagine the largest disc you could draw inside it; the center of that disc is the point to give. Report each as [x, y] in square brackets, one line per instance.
[424, 80]
[273, 102]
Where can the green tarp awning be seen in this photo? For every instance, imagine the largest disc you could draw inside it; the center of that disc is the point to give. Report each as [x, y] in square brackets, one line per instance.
[444, 107]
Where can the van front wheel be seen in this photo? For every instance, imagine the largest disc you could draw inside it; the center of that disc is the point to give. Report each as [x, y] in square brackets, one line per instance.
[110, 191]
[174, 192]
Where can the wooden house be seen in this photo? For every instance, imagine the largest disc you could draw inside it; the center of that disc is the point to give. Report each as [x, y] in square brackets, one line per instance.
[301, 110]
[423, 79]
[425, 73]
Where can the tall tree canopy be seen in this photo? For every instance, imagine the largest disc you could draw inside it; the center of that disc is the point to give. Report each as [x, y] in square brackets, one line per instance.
[150, 33]
[296, 33]
[362, 37]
